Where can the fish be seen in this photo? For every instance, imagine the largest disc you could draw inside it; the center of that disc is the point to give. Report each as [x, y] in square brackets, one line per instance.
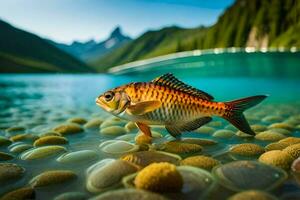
[169, 102]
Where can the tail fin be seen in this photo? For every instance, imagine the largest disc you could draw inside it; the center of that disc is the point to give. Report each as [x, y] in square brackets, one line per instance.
[235, 112]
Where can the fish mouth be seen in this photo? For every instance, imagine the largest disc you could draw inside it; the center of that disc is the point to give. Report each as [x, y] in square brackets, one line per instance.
[98, 102]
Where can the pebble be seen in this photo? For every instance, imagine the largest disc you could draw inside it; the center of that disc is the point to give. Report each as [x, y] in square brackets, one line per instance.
[50, 140]
[272, 119]
[247, 149]
[252, 195]
[131, 126]
[5, 156]
[25, 193]
[118, 147]
[205, 130]
[93, 123]
[293, 150]
[42, 152]
[281, 125]
[24, 137]
[277, 158]
[72, 196]
[77, 157]
[112, 122]
[4, 141]
[49, 133]
[52, 177]
[113, 131]
[181, 147]
[269, 135]
[69, 128]
[203, 162]
[10, 171]
[15, 129]
[223, 134]
[77, 120]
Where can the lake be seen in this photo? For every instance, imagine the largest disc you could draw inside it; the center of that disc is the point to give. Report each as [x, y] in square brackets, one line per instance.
[34, 104]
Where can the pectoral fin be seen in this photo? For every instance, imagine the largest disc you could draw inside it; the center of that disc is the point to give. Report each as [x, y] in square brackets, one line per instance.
[143, 107]
[175, 130]
[144, 128]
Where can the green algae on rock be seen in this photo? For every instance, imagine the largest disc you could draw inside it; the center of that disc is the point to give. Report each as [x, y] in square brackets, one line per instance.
[42, 152]
[180, 147]
[70, 128]
[113, 131]
[159, 177]
[5, 156]
[223, 133]
[277, 158]
[203, 162]
[52, 177]
[50, 140]
[269, 135]
[145, 158]
[132, 194]
[10, 171]
[93, 123]
[25, 193]
[118, 147]
[252, 195]
[107, 174]
[249, 175]
[247, 149]
[77, 120]
[77, 157]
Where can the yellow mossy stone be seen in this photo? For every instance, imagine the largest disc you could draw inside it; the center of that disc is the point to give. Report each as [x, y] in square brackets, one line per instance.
[252, 195]
[159, 177]
[143, 139]
[69, 128]
[93, 123]
[202, 142]
[25, 193]
[269, 135]
[203, 162]
[181, 147]
[77, 120]
[277, 158]
[275, 146]
[281, 131]
[281, 125]
[49, 140]
[52, 177]
[205, 130]
[290, 140]
[247, 149]
[293, 150]
[258, 128]
[25, 136]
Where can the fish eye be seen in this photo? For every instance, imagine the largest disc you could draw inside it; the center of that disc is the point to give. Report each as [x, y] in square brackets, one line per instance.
[108, 96]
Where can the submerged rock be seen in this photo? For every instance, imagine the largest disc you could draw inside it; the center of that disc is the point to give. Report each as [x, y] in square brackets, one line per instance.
[113, 131]
[24, 137]
[269, 135]
[49, 133]
[258, 128]
[77, 120]
[145, 158]
[69, 128]
[252, 195]
[52, 177]
[201, 142]
[4, 141]
[15, 129]
[205, 130]
[247, 149]
[293, 151]
[20, 148]
[203, 162]
[223, 133]
[131, 126]
[108, 174]
[290, 140]
[93, 123]
[10, 171]
[181, 147]
[72, 196]
[272, 119]
[77, 157]
[26, 193]
[275, 146]
[50, 140]
[159, 177]
[277, 158]
[112, 122]
[141, 139]
[42, 152]
[249, 175]
[281, 125]
[118, 147]
[5, 156]
[132, 194]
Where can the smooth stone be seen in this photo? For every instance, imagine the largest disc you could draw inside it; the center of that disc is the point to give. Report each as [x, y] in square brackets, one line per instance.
[127, 137]
[215, 124]
[293, 150]
[181, 147]
[113, 131]
[52, 177]
[70, 128]
[258, 128]
[223, 134]
[24, 137]
[5, 156]
[108, 175]
[249, 175]
[132, 194]
[78, 157]
[131, 126]
[231, 128]
[15, 129]
[290, 140]
[20, 148]
[276, 146]
[272, 119]
[281, 131]
[205, 130]
[4, 141]
[93, 123]
[277, 158]
[112, 122]
[252, 195]
[296, 166]
[243, 134]
[202, 142]
[77, 120]
[50, 140]
[49, 133]
[269, 135]
[247, 149]
[26, 193]
[145, 158]
[203, 162]
[42, 152]
[10, 171]
[281, 125]
[72, 196]
[159, 177]
[118, 147]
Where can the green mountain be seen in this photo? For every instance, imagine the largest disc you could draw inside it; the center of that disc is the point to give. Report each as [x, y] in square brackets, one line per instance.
[247, 23]
[23, 52]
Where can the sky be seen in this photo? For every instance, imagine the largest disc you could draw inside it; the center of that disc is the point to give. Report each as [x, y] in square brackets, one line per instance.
[82, 20]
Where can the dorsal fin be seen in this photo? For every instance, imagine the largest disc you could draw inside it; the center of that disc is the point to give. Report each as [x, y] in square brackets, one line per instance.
[171, 81]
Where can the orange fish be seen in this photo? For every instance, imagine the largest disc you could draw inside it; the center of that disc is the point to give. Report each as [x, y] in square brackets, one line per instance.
[179, 107]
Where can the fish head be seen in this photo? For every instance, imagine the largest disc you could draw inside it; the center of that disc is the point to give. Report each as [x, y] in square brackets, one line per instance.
[114, 101]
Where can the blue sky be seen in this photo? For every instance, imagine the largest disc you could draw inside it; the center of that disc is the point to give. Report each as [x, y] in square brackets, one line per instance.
[68, 20]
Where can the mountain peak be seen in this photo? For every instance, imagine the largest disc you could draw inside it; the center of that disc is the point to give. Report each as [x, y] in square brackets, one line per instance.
[117, 32]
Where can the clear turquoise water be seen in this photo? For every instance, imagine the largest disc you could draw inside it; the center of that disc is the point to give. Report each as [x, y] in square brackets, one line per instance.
[39, 102]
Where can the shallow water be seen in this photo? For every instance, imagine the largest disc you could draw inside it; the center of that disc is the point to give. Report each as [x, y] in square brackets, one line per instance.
[40, 102]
